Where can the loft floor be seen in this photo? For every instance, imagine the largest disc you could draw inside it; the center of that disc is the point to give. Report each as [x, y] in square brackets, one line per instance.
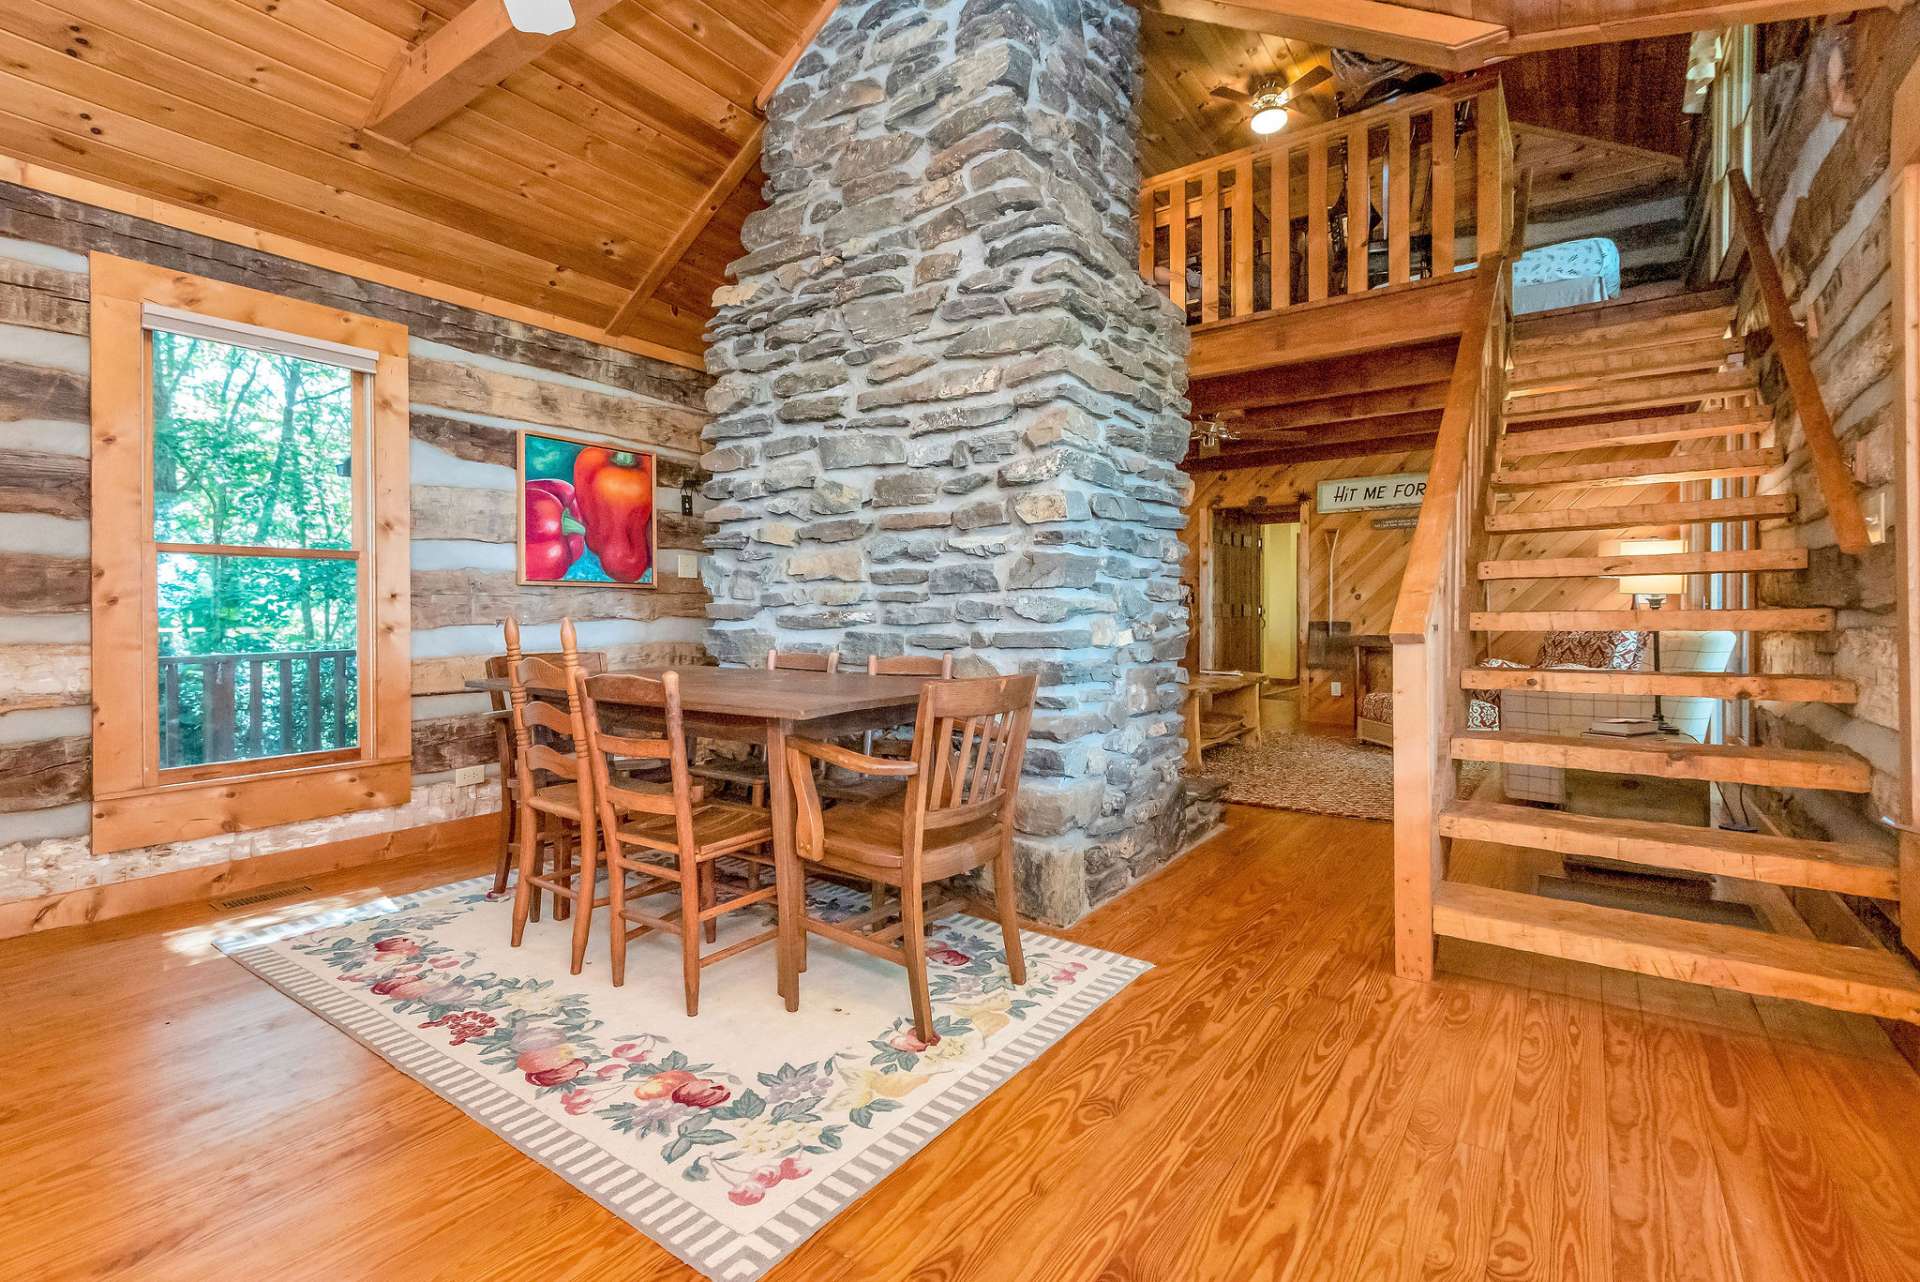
[1269, 1102]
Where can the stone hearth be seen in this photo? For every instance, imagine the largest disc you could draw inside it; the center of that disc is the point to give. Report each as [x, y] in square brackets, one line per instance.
[948, 409]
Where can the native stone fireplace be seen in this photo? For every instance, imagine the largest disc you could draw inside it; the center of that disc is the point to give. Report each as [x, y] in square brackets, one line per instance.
[948, 408]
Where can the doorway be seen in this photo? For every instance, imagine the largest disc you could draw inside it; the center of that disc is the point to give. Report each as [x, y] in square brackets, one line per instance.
[1256, 591]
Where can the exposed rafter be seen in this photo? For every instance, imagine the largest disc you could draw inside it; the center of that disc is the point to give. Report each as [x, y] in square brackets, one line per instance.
[724, 186]
[1370, 26]
[689, 231]
[1433, 33]
[478, 48]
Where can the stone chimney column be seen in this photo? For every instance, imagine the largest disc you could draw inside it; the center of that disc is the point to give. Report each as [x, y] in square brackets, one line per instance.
[948, 409]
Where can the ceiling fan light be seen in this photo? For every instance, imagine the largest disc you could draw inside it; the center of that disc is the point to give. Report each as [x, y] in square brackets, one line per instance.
[540, 17]
[1269, 114]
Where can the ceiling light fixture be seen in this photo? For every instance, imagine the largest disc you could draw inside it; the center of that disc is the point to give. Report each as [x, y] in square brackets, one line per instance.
[1269, 113]
[540, 17]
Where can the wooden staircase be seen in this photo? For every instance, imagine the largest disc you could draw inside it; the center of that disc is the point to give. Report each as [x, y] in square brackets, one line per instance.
[1661, 371]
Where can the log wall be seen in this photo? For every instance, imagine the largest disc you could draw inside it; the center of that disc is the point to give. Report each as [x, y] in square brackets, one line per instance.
[475, 380]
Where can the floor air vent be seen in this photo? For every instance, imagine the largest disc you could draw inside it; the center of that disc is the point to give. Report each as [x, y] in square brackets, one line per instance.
[262, 896]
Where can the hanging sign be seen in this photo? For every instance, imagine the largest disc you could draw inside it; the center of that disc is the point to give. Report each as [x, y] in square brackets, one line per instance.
[1359, 493]
[1395, 522]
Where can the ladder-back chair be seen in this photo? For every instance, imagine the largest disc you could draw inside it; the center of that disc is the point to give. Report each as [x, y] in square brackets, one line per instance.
[497, 669]
[553, 787]
[955, 815]
[643, 830]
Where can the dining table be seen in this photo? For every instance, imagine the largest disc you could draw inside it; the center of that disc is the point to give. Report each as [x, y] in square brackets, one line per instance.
[767, 706]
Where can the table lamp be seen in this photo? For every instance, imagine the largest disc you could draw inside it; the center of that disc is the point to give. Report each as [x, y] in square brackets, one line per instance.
[1654, 589]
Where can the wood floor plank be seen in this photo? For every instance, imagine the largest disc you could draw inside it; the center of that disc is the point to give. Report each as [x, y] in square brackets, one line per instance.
[1269, 1103]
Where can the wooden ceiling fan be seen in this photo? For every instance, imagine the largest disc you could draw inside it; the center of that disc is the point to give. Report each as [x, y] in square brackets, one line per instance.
[1270, 103]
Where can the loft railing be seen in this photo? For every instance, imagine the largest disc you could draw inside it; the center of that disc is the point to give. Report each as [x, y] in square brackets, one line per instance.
[1434, 171]
[1796, 361]
[235, 707]
[1432, 641]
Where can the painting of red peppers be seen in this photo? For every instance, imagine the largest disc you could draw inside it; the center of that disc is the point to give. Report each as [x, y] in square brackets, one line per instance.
[586, 513]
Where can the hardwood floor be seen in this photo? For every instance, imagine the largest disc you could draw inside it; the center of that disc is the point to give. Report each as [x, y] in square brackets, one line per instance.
[1268, 1103]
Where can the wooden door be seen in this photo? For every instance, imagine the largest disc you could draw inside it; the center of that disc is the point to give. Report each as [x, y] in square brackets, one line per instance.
[1237, 618]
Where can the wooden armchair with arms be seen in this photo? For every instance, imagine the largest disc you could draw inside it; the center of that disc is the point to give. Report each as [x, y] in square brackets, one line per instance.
[955, 814]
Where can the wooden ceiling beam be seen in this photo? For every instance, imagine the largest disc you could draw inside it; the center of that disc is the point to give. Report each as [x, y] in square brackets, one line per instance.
[1439, 40]
[724, 186]
[1410, 423]
[1368, 372]
[1649, 18]
[1229, 459]
[689, 231]
[477, 49]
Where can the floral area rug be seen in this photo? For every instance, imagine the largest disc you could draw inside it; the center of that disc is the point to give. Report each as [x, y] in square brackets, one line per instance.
[1319, 773]
[727, 1138]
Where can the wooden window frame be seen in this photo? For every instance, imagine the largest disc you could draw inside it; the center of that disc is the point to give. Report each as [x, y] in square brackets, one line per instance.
[136, 802]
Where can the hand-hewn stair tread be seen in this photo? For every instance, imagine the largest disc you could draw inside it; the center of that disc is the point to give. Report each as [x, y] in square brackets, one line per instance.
[1657, 471]
[1649, 430]
[1676, 389]
[1868, 980]
[1615, 361]
[1622, 516]
[1848, 868]
[1777, 687]
[1762, 620]
[1606, 567]
[1836, 770]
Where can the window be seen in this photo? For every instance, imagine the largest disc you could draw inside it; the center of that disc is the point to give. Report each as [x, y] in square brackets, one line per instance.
[250, 555]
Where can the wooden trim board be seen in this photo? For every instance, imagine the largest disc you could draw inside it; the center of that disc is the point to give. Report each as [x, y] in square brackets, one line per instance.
[140, 894]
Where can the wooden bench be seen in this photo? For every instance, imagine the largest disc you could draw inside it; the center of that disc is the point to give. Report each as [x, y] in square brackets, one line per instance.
[1221, 707]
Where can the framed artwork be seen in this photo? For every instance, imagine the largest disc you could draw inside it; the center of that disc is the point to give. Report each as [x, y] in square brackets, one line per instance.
[586, 513]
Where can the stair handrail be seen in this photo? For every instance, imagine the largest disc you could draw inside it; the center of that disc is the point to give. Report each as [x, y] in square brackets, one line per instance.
[1430, 632]
[1796, 361]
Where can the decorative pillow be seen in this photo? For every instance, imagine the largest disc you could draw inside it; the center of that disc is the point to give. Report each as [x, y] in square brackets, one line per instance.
[1482, 714]
[1604, 651]
[1377, 705]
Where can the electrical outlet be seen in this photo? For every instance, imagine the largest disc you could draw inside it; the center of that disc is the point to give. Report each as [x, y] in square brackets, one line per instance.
[469, 774]
[1335, 689]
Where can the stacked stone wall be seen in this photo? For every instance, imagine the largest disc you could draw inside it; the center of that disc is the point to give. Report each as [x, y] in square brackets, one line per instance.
[947, 409]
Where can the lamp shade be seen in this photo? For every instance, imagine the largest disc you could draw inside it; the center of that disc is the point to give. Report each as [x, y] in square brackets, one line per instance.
[1269, 120]
[1651, 584]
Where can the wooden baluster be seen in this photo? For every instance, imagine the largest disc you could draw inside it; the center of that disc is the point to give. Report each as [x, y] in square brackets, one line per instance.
[1317, 219]
[340, 679]
[169, 712]
[219, 700]
[1280, 228]
[1242, 285]
[1209, 246]
[1490, 176]
[287, 736]
[256, 706]
[1443, 218]
[1359, 209]
[313, 702]
[1177, 244]
[1399, 182]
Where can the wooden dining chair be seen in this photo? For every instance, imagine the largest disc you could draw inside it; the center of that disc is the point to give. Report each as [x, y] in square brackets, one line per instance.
[497, 665]
[553, 789]
[646, 829]
[751, 772]
[955, 815]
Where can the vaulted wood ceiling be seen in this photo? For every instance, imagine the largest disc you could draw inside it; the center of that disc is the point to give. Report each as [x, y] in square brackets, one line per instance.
[585, 171]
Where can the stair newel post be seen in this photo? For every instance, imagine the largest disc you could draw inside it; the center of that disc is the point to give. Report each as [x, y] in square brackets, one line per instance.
[1432, 633]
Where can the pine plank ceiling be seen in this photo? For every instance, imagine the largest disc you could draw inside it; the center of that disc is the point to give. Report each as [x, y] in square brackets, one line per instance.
[603, 182]
[556, 190]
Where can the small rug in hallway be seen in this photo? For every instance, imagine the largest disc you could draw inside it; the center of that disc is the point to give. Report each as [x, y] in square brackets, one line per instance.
[1320, 773]
[728, 1138]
